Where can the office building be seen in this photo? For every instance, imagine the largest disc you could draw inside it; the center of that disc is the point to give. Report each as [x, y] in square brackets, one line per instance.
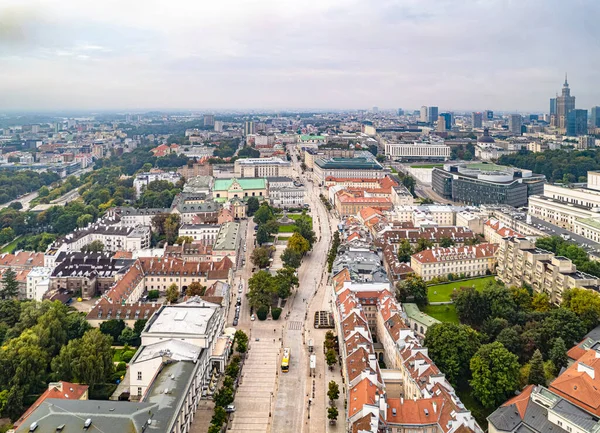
[564, 104]
[585, 142]
[218, 126]
[447, 120]
[488, 115]
[432, 114]
[477, 119]
[552, 106]
[423, 114]
[478, 184]
[577, 122]
[359, 167]
[515, 123]
[400, 112]
[209, 120]
[417, 151]
[249, 128]
[595, 117]
[262, 167]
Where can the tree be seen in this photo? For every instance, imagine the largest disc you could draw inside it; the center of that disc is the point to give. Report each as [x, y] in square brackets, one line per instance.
[413, 288]
[291, 258]
[172, 293]
[561, 323]
[511, 339]
[93, 247]
[264, 214]
[298, 243]
[262, 235]
[521, 297]
[171, 227]
[262, 312]
[128, 337]
[7, 234]
[253, 205]
[536, 370]
[261, 287]
[332, 413]
[404, 251]
[285, 279]
[540, 302]
[241, 340]
[112, 327]
[447, 242]
[84, 220]
[330, 358]
[558, 354]
[261, 256]
[195, 289]
[184, 239]
[10, 310]
[499, 301]
[43, 192]
[333, 392]
[422, 245]
[304, 228]
[470, 306]
[153, 295]
[451, 347]
[219, 417]
[86, 360]
[585, 303]
[495, 374]
[223, 397]
[10, 286]
[139, 326]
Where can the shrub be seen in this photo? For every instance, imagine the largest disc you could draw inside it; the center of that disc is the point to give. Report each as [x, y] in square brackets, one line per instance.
[262, 312]
[126, 356]
[153, 295]
[275, 312]
[121, 366]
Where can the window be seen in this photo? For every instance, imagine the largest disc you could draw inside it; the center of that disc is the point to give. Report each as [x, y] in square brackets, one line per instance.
[139, 376]
[139, 391]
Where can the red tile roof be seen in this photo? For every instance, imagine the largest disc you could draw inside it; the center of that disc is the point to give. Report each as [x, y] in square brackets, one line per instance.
[577, 385]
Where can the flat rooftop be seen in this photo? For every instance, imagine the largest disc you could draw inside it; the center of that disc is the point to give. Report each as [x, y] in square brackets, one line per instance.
[182, 319]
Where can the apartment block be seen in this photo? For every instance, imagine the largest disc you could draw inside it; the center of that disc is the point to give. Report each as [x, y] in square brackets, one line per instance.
[440, 262]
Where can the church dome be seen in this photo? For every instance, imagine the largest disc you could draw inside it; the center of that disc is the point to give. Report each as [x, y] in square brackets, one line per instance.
[485, 138]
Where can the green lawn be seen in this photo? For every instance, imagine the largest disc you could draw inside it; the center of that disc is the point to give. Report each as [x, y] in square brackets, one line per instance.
[287, 228]
[444, 313]
[426, 165]
[295, 216]
[442, 292]
[10, 247]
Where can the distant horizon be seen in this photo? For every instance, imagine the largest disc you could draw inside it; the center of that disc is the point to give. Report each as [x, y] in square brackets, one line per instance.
[134, 55]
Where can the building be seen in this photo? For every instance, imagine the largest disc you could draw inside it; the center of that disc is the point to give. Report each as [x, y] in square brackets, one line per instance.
[249, 128]
[285, 193]
[564, 104]
[352, 202]
[38, 283]
[60, 390]
[203, 233]
[435, 235]
[577, 122]
[194, 169]
[219, 126]
[227, 242]
[416, 320]
[552, 107]
[113, 237]
[488, 115]
[469, 261]
[432, 114]
[417, 151]
[423, 114]
[142, 180]
[477, 119]
[521, 262]
[311, 154]
[198, 185]
[586, 142]
[478, 184]
[227, 189]
[540, 410]
[447, 120]
[515, 123]
[262, 167]
[595, 117]
[363, 167]
[209, 120]
[494, 231]
[133, 217]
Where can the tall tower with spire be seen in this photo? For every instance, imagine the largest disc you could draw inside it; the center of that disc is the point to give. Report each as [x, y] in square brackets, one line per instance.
[564, 104]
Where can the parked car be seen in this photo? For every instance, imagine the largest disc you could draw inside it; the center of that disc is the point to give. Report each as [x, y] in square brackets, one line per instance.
[235, 321]
[253, 317]
[230, 408]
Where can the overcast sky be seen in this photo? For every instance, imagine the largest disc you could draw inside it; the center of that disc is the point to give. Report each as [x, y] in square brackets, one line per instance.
[200, 54]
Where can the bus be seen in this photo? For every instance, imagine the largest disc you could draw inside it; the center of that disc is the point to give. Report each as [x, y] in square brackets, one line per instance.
[285, 362]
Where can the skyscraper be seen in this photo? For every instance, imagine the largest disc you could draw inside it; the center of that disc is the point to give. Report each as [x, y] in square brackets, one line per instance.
[552, 106]
[447, 117]
[249, 128]
[477, 119]
[423, 114]
[514, 124]
[432, 114]
[577, 122]
[488, 115]
[595, 120]
[400, 112]
[564, 104]
[209, 120]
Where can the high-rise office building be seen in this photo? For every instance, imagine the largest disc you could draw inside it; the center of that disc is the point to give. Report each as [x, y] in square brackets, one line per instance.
[515, 122]
[441, 124]
[477, 119]
[577, 122]
[400, 112]
[447, 118]
[209, 120]
[423, 114]
[595, 117]
[564, 104]
[432, 114]
[488, 115]
[375, 109]
[249, 128]
[218, 126]
[552, 106]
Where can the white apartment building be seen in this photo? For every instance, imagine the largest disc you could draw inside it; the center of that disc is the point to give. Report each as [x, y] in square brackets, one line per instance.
[142, 180]
[132, 217]
[440, 262]
[519, 261]
[113, 237]
[262, 167]
[205, 233]
[38, 282]
[417, 151]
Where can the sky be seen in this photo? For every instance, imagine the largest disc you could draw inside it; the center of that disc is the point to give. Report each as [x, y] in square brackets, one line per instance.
[506, 55]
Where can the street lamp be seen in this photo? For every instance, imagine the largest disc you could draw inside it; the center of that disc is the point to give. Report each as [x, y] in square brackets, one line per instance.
[270, 403]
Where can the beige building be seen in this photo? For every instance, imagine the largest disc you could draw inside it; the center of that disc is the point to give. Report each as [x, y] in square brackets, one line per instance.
[440, 262]
[262, 167]
[519, 262]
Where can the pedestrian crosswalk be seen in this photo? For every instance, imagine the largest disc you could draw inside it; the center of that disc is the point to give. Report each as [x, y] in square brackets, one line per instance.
[295, 325]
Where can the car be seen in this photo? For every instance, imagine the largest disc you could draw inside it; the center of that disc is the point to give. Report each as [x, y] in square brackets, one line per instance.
[253, 317]
[235, 322]
[230, 408]
[239, 302]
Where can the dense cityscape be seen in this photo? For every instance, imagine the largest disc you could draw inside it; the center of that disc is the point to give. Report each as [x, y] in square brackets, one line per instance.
[331, 216]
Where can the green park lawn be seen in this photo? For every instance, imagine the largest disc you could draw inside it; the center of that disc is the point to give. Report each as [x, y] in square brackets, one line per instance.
[287, 228]
[10, 247]
[444, 313]
[442, 292]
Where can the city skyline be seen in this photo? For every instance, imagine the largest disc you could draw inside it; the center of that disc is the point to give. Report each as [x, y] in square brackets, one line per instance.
[334, 54]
